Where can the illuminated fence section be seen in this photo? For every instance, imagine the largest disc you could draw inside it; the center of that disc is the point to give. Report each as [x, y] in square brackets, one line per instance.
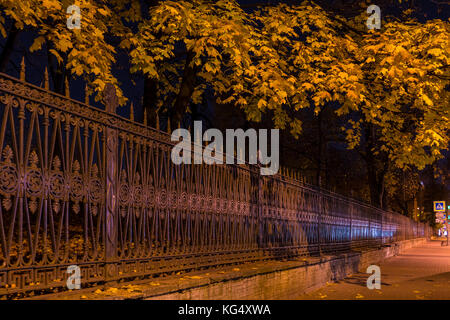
[84, 186]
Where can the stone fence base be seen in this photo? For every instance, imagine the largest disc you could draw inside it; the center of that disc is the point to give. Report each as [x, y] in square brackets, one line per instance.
[264, 280]
[290, 282]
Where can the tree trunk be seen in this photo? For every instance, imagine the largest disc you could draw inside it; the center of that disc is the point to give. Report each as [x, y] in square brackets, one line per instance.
[374, 175]
[56, 70]
[150, 100]
[184, 95]
[319, 150]
[8, 48]
[376, 184]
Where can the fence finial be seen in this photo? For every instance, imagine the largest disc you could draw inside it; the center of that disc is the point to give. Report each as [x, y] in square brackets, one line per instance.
[67, 90]
[86, 94]
[131, 112]
[46, 86]
[145, 116]
[22, 69]
[169, 130]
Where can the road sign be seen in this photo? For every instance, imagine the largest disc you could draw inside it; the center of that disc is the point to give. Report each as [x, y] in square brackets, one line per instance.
[439, 206]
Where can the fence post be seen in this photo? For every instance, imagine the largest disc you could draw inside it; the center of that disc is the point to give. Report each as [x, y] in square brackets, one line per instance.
[381, 229]
[319, 222]
[111, 136]
[351, 222]
[260, 210]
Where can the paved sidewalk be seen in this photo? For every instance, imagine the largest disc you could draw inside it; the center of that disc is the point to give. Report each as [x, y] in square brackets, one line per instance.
[418, 273]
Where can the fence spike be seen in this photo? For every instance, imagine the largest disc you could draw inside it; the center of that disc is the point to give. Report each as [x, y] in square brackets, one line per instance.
[169, 131]
[86, 95]
[46, 86]
[145, 117]
[157, 120]
[67, 90]
[131, 112]
[22, 69]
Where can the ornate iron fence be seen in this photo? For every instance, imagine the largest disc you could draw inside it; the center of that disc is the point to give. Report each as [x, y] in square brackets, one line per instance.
[84, 186]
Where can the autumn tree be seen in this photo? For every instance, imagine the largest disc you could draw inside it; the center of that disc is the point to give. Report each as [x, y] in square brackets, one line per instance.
[80, 52]
[190, 45]
[404, 115]
[390, 84]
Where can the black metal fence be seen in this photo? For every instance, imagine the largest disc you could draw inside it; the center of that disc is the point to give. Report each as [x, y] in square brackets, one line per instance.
[84, 186]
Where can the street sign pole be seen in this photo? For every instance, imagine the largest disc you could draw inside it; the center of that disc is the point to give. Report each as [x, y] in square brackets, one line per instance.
[439, 207]
[446, 220]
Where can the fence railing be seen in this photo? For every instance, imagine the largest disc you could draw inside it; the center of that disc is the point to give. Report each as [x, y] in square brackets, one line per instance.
[83, 186]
